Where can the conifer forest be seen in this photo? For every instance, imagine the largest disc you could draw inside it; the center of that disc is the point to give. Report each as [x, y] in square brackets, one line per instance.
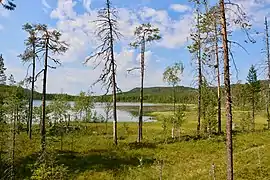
[114, 89]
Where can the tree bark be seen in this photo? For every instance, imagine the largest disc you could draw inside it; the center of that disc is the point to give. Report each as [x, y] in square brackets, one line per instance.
[268, 64]
[174, 108]
[43, 124]
[218, 78]
[199, 76]
[32, 90]
[228, 93]
[253, 111]
[115, 139]
[140, 125]
[14, 143]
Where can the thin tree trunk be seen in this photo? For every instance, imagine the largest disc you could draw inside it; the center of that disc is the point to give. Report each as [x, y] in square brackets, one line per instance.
[199, 75]
[13, 144]
[268, 64]
[253, 111]
[174, 108]
[32, 91]
[43, 128]
[140, 126]
[229, 142]
[218, 78]
[113, 76]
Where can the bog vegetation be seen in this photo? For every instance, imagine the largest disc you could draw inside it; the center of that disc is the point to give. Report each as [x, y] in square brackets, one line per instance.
[213, 131]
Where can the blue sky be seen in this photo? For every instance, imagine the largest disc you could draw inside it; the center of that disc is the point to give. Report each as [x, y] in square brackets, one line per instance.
[73, 18]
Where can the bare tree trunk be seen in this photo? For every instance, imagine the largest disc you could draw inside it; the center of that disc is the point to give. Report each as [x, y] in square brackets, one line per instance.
[218, 77]
[140, 126]
[14, 143]
[43, 128]
[199, 74]
[228, 94]
[113, 77]
[174, 102]
[253, 112]
[268, 64]
[32, 91]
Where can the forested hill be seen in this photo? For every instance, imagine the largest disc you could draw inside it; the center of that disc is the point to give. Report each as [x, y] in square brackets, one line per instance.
[5, 90]
[151, 94]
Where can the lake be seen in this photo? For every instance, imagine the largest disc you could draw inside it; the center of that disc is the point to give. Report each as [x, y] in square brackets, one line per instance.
[122, 116]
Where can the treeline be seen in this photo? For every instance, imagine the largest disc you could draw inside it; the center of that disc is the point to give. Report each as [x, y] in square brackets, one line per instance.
[6, 90]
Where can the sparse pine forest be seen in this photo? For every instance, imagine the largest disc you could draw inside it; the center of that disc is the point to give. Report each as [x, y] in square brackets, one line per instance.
[216, 129]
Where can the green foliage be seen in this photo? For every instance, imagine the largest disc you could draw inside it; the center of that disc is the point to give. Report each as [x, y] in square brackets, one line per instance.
[8, 4]
[48, 172]
[209, 112]
[59, 107]
[245, 121]
[83, 106]
[145, 33]
[172, 74]
[179, 116]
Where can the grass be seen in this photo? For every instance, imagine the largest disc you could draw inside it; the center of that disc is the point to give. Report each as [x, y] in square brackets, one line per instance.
[89, 153]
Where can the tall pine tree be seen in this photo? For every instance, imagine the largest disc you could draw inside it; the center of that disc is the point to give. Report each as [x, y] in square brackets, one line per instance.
[254, 88]
[3, 77]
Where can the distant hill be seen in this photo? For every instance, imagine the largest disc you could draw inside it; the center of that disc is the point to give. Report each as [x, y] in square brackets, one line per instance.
[155, 95]
[151, 94]
[5, 90]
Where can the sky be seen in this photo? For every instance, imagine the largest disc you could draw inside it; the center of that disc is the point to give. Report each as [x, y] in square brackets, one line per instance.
[74, 19]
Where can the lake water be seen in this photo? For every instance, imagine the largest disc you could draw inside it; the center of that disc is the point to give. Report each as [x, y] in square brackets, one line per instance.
[122, 116]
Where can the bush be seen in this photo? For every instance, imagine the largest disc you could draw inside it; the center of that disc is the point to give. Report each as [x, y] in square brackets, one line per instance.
[45, 172]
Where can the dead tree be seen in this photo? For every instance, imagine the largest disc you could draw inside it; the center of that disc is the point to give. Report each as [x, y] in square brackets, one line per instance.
[227, 92]
[268, 74]
[107, 32]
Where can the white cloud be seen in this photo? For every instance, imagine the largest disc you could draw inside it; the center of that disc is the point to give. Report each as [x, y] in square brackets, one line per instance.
[86, 4]
[45, 4]
[64, 10]
[78, 31]
[180, 7]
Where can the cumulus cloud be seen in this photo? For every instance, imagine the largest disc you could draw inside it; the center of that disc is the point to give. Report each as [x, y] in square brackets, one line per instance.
[180, 7]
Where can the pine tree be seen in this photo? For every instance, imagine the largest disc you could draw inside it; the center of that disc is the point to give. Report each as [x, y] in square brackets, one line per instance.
[29, 56]
[227, 84]
[254, 88]
[8, 4]
[144, 33]
[50, 44]
[3, 77]
[196, 49]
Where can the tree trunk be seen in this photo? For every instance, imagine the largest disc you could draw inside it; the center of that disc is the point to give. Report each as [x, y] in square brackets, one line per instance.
[32, 91]
[199, 75]
[43, 128]
[228, 94]
[218, 77]
[13, 144]
[253, 112]
[113, 77]
[173, 123]
[268, 64]
[140, 126]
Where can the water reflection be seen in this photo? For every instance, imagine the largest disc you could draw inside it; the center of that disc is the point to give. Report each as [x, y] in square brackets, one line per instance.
[122, 116]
